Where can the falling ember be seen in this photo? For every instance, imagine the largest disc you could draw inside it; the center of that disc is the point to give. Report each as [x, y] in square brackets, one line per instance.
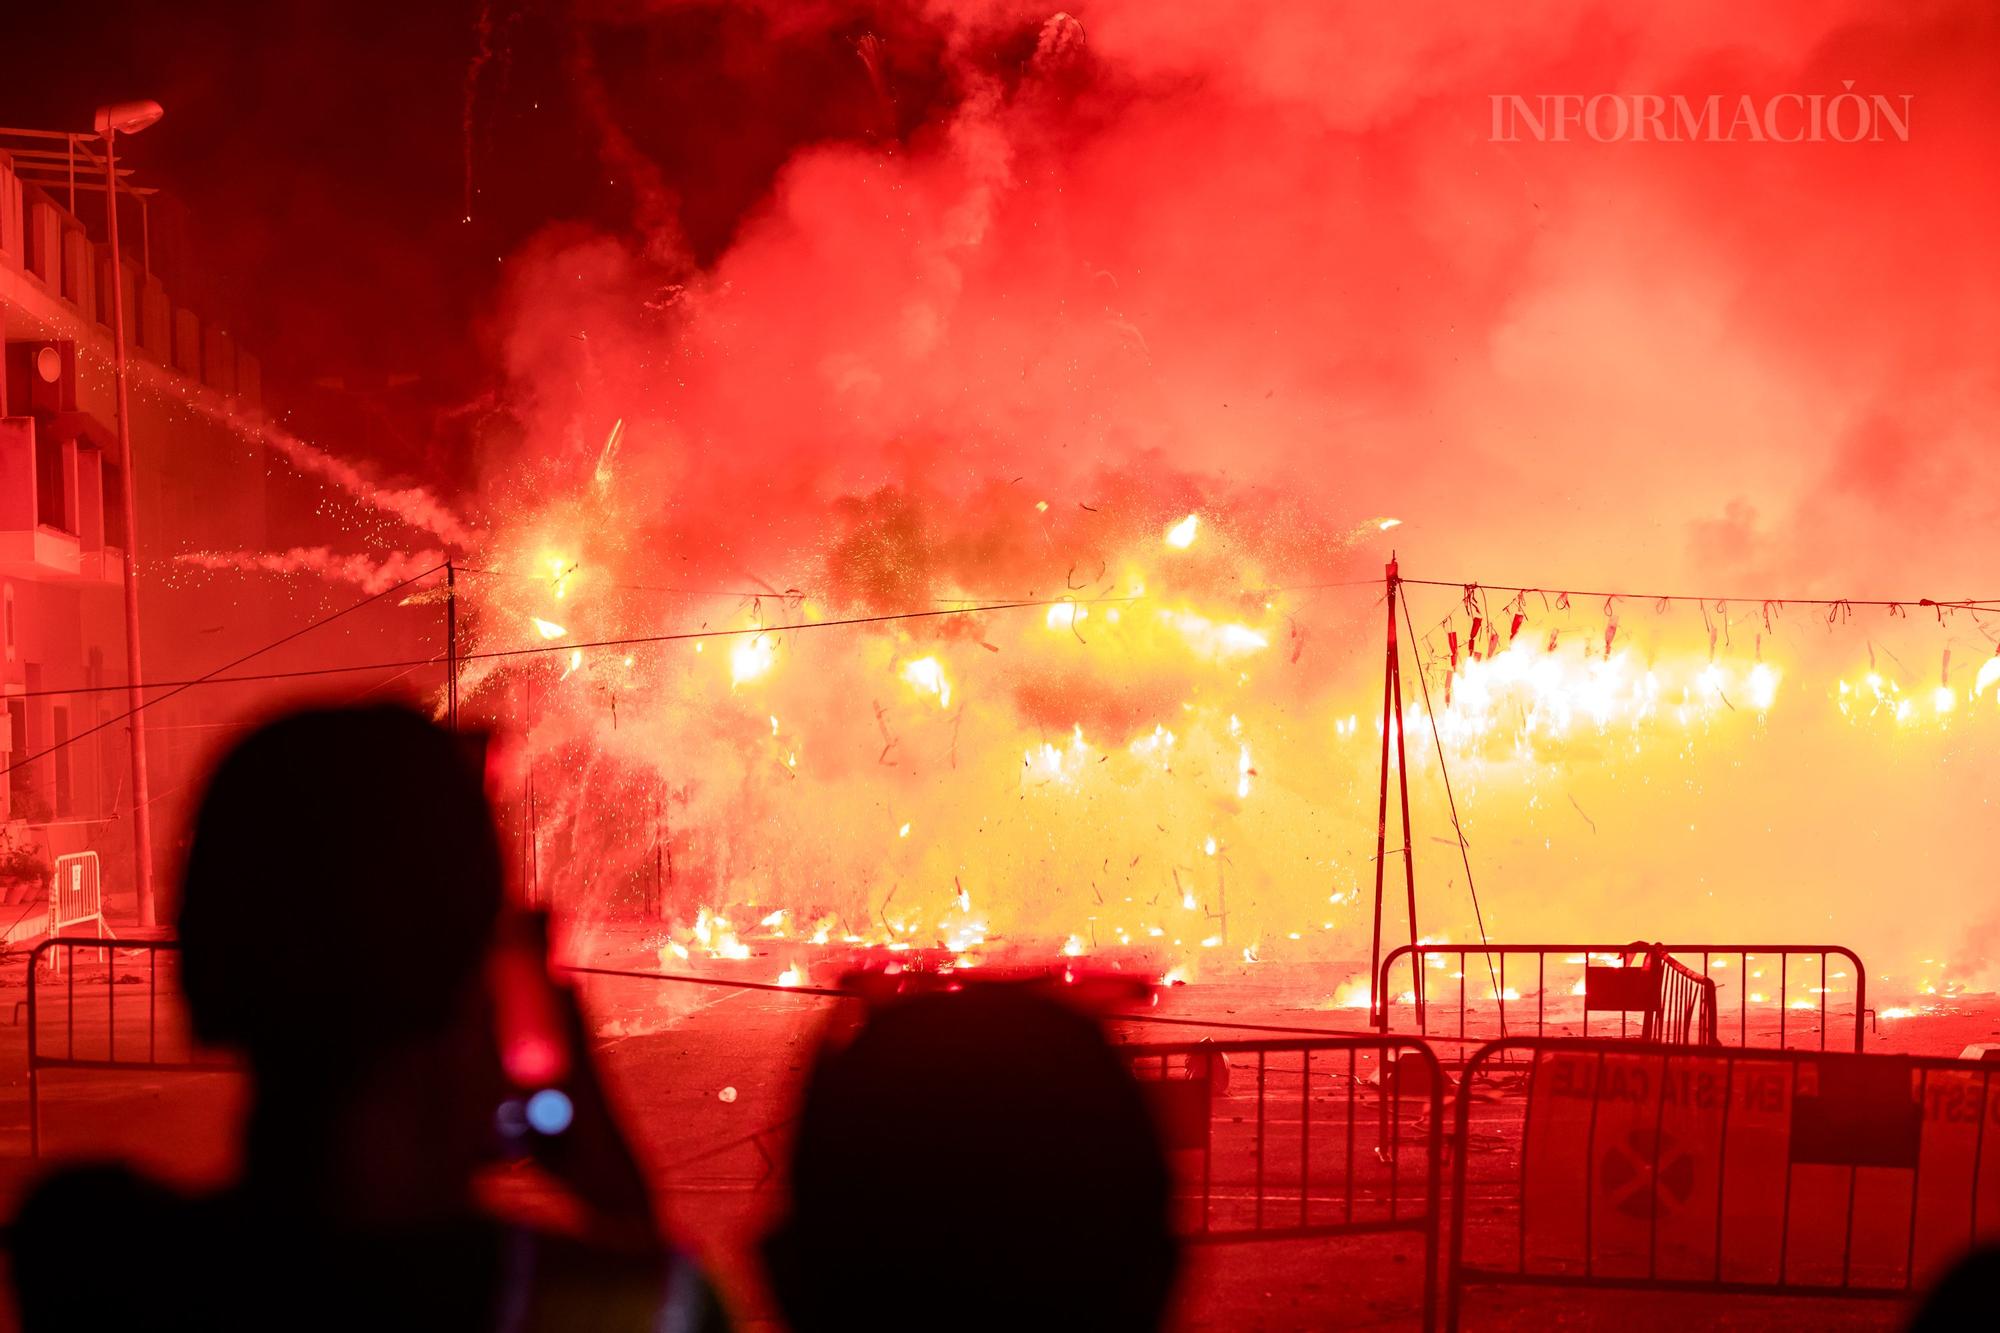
[792, 976]
[1181, 535]
[548, 629]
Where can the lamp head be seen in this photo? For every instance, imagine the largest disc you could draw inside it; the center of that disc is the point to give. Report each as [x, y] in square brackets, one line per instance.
[127, 117]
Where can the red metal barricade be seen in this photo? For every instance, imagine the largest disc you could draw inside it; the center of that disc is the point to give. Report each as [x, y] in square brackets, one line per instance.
[1295, 1138]
[79, 1022]
[1714, 1169]
[1759, 994]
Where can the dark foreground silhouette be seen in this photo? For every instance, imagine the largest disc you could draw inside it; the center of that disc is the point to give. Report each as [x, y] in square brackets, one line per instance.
[1966, 1297]
[980, 1159]
[339, 918]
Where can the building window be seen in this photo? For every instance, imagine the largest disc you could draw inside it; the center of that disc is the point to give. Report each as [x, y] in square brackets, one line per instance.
[34, 254]
[51, 495]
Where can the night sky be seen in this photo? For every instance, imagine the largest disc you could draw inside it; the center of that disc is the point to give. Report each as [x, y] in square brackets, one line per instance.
[347, 177]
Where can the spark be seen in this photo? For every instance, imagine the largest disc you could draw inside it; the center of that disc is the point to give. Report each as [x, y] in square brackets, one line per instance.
[750, 658]
[1989, 672]
[927, 675]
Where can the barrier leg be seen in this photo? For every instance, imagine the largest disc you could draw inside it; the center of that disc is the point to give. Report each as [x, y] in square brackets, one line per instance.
[34, 1038]
[1434, 1200]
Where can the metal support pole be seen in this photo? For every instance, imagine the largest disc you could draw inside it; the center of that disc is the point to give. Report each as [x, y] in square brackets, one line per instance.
[451, 642]
[142, 794]
[1392, 716]
[1403, 789]
[1381, 1002]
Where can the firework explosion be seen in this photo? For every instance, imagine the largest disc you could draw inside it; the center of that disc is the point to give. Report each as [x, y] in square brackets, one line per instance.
[1067, 393]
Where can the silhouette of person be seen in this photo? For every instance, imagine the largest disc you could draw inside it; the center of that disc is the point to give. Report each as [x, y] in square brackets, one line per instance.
[1967, 1296]
[978, 1159]
[340, 908]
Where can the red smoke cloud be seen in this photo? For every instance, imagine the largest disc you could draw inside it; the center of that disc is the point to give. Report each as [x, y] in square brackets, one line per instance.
[1266, 263]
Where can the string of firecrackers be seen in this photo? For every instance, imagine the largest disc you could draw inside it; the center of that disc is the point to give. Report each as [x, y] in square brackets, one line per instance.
[1475, 605]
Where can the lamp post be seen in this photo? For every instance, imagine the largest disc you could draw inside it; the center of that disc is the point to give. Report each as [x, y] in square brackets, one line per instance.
[130, 117]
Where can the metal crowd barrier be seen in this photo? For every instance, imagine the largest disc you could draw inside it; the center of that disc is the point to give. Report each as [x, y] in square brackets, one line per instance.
[1514, 997]
[1296, 1138]
[76, 895]
[88, 1024]
[1685, 1012]
[1716, 1170]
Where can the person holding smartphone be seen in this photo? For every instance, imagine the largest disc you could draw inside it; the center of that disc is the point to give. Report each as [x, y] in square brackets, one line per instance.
[344, 930]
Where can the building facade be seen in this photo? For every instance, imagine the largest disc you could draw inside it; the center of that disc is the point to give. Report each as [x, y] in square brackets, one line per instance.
[203, 484]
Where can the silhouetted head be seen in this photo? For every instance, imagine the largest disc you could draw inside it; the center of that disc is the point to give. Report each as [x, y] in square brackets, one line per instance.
[975, 1159]
[341, 890]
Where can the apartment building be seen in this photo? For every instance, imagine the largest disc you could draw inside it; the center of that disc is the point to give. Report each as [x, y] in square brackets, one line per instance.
[204, 483]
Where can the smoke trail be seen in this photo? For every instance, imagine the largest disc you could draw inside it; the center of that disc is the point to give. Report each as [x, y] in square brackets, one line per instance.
[363, 571]
[414, 505]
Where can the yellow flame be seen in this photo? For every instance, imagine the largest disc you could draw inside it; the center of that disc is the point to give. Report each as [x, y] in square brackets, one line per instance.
[750, 658]
[1989, 672]
[1064, 615]
[926, 675]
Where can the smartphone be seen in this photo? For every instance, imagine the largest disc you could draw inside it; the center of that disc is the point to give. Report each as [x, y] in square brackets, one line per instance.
[532, 1036]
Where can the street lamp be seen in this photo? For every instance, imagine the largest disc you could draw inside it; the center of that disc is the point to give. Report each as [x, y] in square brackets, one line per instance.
[130, 118]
